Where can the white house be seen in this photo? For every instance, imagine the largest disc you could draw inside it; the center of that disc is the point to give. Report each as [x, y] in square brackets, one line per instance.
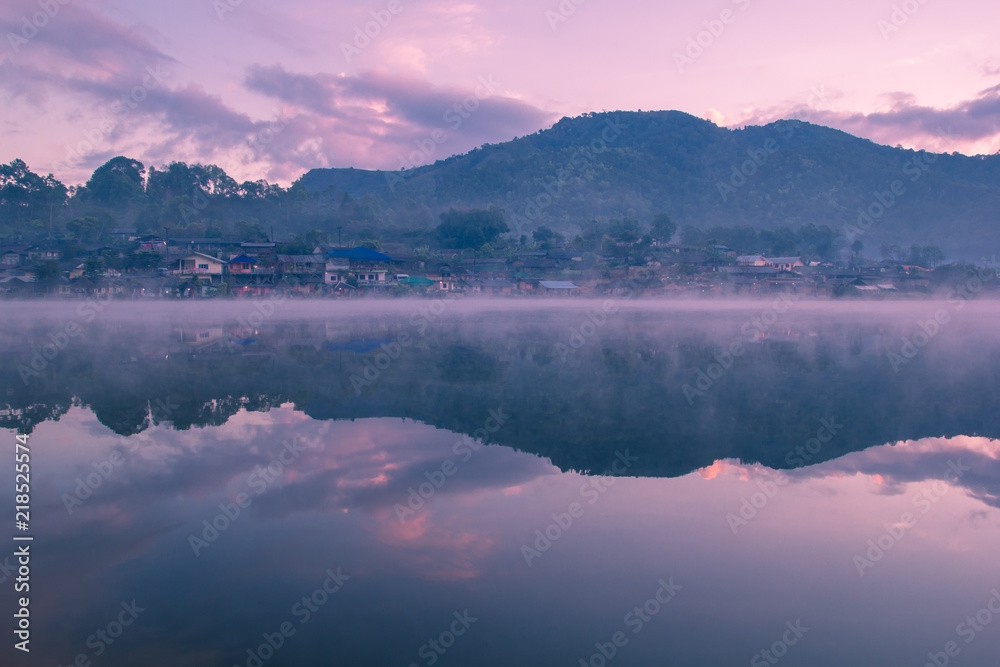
[200, 265]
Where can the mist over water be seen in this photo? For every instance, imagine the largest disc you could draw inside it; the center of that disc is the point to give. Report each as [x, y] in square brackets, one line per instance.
[542, 467]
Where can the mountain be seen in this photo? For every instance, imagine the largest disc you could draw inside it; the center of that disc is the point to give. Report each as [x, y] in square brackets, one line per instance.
[637, 164]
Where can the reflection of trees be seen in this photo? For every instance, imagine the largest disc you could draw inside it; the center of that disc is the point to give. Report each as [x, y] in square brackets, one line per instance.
[621, 389]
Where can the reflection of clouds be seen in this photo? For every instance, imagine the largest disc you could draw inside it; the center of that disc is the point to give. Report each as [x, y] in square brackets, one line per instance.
[436, 549]
[968, 462]
[724, 467]
[175, 479]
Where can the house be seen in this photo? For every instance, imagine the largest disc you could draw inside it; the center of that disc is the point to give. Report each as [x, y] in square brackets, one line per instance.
[123, 234]
[302, 265]
[246, 275]
[784, 263]
[751, 260]
[414, 281]
[369, 267]
[491, 286]
[558, 286]
[199, 265]
[14, 256]
[243, 264]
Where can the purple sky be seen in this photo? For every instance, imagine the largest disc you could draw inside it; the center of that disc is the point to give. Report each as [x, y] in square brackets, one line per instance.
[270, 90]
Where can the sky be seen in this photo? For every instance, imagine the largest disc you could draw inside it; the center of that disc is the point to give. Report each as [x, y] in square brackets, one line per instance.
[270, 90]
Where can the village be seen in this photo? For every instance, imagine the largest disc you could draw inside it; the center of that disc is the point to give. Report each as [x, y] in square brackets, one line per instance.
[134, 266]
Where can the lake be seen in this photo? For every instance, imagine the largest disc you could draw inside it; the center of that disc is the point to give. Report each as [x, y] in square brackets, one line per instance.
[430, 482]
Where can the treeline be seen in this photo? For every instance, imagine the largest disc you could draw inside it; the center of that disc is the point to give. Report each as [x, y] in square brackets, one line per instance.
[202, 201]
[181, 200]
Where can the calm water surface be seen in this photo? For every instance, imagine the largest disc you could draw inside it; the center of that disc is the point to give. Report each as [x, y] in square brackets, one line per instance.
[486, 484]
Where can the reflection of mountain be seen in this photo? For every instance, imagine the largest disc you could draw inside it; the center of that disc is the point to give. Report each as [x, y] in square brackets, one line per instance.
[622, 387]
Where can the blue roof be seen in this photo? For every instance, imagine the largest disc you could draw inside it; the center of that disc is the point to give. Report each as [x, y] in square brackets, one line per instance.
[243, 259]
[360, 252]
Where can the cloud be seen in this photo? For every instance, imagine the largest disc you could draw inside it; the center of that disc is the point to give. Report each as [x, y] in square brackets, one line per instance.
[386, 116]
[78, 36]
[371, 120]
[968, 462]
[968, 125]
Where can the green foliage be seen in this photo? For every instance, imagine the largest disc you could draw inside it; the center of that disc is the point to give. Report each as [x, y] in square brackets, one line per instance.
[94, 266]
[471, 229]
[543, 235]
[47, 272]
[664, 227]
[665, 169]
[927, 257]
[672, 163]
[117, 181]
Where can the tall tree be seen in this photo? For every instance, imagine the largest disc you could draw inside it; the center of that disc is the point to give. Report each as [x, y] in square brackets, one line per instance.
[117, 181]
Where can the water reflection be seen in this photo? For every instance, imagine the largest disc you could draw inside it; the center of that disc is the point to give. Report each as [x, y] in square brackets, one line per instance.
[680, 385]
[325, 496]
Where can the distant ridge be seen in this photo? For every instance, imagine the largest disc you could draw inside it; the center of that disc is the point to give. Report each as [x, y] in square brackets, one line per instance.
[637, 164]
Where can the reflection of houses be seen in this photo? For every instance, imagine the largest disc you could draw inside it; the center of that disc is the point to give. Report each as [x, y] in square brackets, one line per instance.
[199, 265]
[367, 266]
[198, 336]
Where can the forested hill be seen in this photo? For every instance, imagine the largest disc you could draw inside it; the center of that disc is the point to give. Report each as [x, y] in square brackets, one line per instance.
[635, 164]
